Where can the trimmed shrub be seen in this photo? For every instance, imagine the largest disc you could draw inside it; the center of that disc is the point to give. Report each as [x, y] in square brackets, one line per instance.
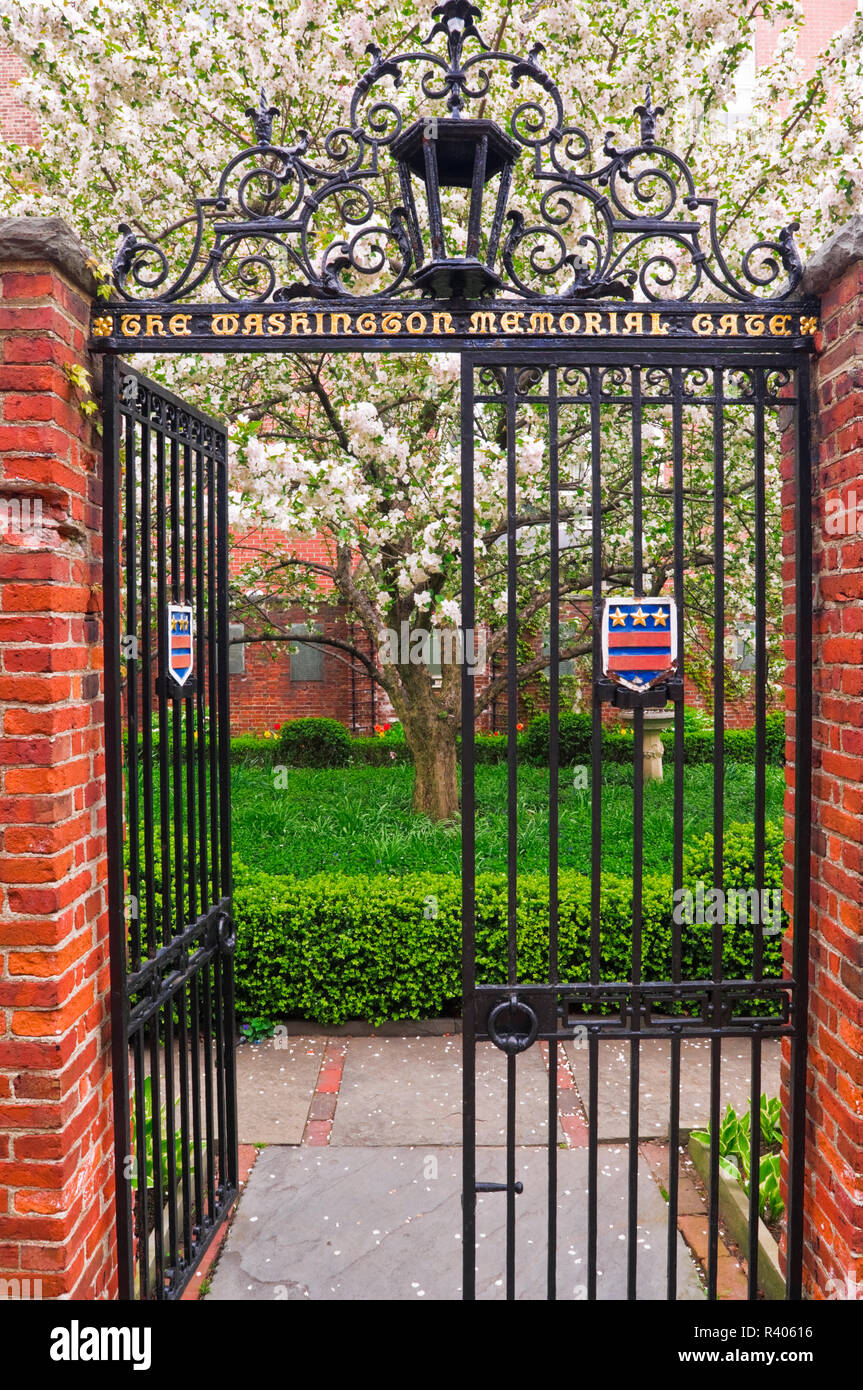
[332, 948]
[617, 742]
[379, 752]
[738, 856]
[254, 751]
[573, 738]
[314, 743]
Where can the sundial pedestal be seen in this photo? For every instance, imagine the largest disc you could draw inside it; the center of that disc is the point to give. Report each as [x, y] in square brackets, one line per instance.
[656, 721]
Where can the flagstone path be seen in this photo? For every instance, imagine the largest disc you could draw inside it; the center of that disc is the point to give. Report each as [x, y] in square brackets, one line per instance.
[357, 1192]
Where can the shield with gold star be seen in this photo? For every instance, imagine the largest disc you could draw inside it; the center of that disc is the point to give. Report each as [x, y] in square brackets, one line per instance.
[180, 641]
[639, 641]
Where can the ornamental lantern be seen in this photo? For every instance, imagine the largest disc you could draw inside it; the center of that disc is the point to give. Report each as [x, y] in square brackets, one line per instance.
[455, 152]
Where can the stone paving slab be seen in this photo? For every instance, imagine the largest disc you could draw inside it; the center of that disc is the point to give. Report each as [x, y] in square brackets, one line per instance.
[360, 1223]
[275, 1085]
[399, 1091]
[655, 1082]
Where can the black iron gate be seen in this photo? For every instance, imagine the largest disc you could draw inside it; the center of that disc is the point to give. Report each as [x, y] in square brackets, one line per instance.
[508, 231]
[678, 991]
[171, 930]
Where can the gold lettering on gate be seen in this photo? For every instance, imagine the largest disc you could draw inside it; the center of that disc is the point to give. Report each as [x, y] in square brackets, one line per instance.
[754, 325]
[633, 323]
[154, 326]
[300, 323]
[367, 323]
[728, 324]
[702, 324]
[416, 323]
[482, 322]
[541, 323]
[442, 319]
[275, 325]
[569, 323]
[657, 327]
[336, 320]
[593, 323]
[253, 325]
[225, 324]
[391, 322]
[178, 324]
[130, 325]
[511, 322]
[780, 325]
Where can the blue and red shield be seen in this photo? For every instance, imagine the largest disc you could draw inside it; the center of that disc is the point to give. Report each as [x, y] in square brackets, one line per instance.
[639, 641]
[180, 642]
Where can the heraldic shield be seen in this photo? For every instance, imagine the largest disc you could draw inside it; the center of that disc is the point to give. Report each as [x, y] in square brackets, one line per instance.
[180, 657]
[639, 641]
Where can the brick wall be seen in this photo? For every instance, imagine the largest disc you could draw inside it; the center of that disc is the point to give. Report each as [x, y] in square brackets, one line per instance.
[833, 1233]
[56, 1159]
[18, 124]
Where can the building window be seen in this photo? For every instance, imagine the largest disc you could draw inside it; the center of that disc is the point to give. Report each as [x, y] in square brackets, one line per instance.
[236, 650]
[307, 662]
[566, 632]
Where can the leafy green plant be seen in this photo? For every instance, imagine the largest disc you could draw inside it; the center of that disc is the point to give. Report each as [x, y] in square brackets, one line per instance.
[771, 1120]
[735, 1153]
[150, 1142]
[255, 1030]
[770, 1200]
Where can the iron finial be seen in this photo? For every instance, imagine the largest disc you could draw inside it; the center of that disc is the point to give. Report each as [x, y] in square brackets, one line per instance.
[262, 117]
[649, 115]
[457, 22]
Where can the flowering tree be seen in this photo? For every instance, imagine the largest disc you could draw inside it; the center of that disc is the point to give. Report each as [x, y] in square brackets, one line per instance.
[141, 105]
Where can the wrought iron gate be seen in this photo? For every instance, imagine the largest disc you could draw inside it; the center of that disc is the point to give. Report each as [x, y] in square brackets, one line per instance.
[171, 930]
[686, 993]
[509, 230]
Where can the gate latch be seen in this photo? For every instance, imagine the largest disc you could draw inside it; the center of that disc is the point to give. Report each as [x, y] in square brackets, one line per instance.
[513, 1025]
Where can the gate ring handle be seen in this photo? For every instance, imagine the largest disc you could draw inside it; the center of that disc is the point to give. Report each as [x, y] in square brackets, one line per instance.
[227, 934]
[513, 1039]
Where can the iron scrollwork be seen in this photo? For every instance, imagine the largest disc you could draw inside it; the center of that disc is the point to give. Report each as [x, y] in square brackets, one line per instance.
[283, 226]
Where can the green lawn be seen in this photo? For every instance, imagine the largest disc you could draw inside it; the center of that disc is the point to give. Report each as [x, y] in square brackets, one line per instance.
[358, 819]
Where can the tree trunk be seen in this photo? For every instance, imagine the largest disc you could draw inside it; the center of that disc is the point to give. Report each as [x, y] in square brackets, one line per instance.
[432, 743]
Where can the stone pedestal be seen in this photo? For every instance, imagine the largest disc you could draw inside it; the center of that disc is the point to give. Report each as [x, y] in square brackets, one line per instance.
[656, 721]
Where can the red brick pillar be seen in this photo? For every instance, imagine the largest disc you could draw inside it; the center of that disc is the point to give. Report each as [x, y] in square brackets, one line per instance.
[833, 1209]
[56, 1169]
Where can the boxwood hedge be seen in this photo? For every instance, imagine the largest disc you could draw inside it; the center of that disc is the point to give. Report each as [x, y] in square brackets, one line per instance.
[333, 948]
[574, 741]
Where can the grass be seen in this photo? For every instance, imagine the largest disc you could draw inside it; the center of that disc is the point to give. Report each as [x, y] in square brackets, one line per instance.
[358, 819]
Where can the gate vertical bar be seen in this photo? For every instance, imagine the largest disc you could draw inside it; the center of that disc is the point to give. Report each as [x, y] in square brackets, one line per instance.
[114, 826]
[760, 797]
[802, 833]
[677, 833]
[553, 805]
[718, 820]
[226, 959]
[595, 824]
[637, 863]
[468, 868]
[511, 804]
